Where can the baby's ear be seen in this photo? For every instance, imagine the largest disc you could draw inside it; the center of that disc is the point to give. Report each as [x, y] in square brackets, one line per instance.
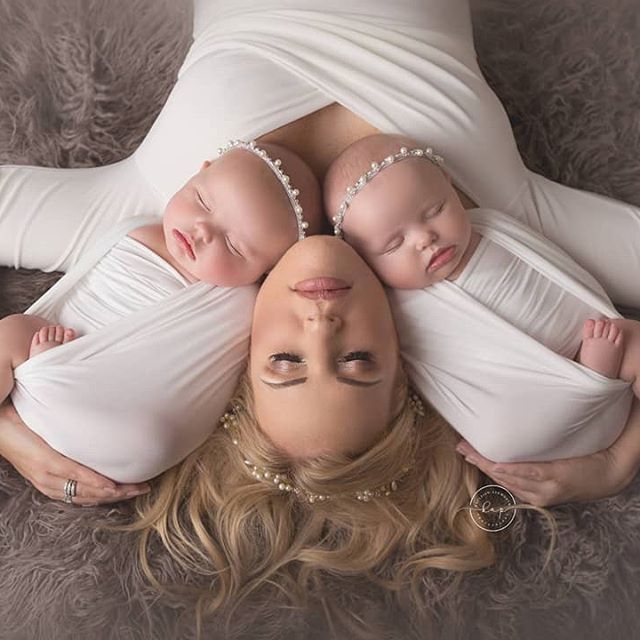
[205, 164]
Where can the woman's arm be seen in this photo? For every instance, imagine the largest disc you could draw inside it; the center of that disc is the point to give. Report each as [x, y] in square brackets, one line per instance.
[47, 470]
[585, 478]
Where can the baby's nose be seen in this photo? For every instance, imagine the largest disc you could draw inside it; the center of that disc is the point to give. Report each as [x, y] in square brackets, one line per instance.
[425, 238]
[203, 230]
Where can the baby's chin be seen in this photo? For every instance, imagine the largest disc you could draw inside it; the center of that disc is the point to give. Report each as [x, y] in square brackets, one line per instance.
[229, 281]
[416, 281]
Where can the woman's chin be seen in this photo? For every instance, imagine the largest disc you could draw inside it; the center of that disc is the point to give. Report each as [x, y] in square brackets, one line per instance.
[319, 257]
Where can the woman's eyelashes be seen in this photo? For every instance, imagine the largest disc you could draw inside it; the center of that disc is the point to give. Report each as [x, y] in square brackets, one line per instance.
[365, 356]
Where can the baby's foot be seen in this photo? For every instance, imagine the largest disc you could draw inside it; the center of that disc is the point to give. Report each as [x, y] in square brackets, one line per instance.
[602, 347]
[49, 337]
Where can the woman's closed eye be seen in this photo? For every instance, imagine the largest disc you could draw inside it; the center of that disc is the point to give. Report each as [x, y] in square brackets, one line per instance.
[285, 356]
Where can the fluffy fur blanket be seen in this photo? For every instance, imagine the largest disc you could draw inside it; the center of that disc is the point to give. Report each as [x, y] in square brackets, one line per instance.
[81, 81]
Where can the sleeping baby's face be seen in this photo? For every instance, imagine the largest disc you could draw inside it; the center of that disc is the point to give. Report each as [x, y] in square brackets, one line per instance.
[232, 221]
[408, 224]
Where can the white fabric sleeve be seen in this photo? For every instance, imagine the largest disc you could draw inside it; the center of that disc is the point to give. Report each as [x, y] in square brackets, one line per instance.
[50, 217]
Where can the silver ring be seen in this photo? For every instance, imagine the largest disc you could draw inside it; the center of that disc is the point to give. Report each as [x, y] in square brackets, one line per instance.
[70, 490]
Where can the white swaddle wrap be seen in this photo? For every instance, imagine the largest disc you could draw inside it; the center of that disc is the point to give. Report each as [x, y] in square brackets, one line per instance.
[255, 65]
[127, 399]
[509, 395]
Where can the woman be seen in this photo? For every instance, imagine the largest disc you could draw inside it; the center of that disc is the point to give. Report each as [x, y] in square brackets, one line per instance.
[279, 500]
[285, 85]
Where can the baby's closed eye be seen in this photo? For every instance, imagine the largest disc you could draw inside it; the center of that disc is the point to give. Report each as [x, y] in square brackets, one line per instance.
[395, 244]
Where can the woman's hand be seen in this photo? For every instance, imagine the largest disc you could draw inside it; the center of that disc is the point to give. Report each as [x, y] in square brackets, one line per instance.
[545, 484]
[47, 470]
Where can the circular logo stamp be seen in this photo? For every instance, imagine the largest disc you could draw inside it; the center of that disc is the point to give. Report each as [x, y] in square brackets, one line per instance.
[491, 507]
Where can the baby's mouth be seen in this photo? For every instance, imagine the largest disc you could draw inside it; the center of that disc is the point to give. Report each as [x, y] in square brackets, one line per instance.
[185, 242]
[441, 257]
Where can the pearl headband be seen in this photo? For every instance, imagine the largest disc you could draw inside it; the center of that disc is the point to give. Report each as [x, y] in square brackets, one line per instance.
[279, 480]
[376, 168]
[274, 165]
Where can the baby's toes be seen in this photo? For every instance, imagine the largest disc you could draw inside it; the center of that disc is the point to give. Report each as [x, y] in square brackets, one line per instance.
[35, 341]
[587, 329]
[69, 335]
[616, 334]
[599, 328]
[59, 333]
[47, 334]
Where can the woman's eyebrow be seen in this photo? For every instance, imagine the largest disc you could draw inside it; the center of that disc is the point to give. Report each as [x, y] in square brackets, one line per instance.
[291, 383]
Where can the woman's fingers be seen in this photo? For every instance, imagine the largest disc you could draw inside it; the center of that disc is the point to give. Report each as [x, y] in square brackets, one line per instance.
[534, 471]
[90, 484]
[68, 469]
[87, 494]
[525, 480]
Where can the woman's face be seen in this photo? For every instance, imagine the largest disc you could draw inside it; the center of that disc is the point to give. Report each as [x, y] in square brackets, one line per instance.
[323, 369]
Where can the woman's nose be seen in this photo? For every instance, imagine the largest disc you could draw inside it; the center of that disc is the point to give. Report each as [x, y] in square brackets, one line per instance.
[326, 322]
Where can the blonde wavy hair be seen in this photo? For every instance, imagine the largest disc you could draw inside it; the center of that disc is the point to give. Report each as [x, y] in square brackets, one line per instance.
[217, 520]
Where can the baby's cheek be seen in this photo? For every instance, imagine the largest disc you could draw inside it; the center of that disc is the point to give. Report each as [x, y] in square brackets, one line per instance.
[395, 272]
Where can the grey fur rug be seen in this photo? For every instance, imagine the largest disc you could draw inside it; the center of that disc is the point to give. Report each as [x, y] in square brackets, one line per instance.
[81, 81]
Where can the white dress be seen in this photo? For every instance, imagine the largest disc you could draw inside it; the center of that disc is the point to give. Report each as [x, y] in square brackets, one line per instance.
[127, 398]
[255, 65]
[492, 352]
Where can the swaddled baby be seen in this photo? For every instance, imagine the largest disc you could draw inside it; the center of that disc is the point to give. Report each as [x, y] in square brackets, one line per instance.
[396, 205]
[227, 226]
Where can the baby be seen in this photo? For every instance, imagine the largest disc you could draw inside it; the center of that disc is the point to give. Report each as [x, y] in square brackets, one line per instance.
[396, 205]
[227, 226]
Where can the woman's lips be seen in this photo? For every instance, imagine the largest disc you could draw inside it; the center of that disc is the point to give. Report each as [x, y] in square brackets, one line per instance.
[184, 243]
[441, 258]
[324, 288]
[321, 284]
